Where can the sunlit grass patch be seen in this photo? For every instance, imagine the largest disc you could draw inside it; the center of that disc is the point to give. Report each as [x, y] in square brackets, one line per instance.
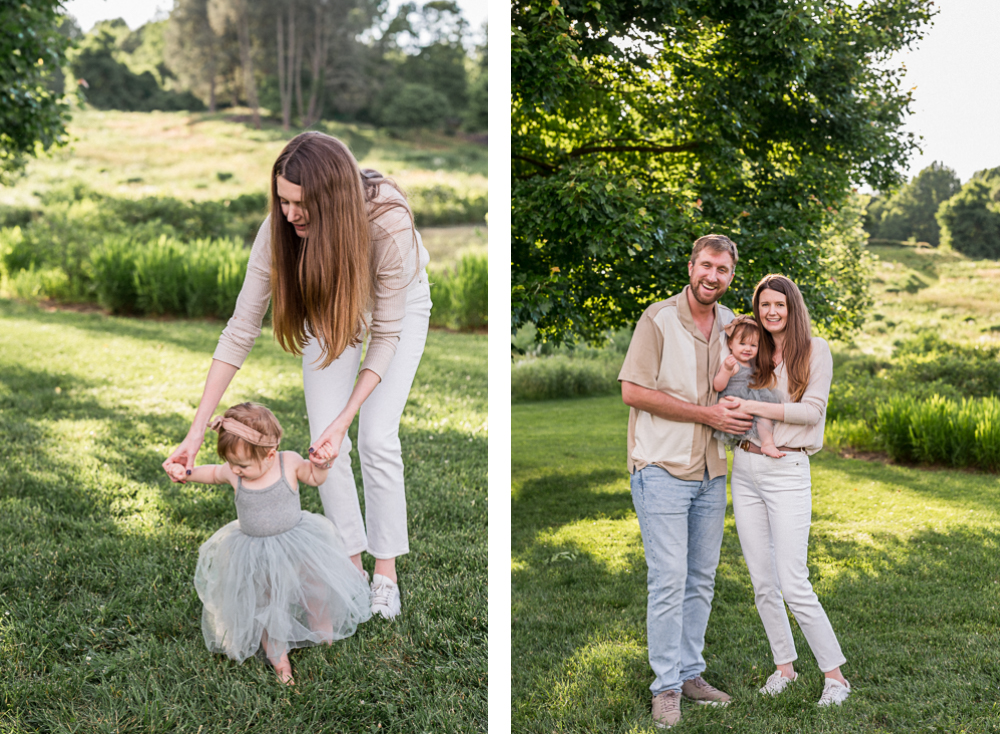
[905, 561]
[99, 620]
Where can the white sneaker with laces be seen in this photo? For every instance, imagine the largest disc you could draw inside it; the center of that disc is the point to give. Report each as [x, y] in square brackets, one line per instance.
[834, 692]
[777, 683]
[385, 597]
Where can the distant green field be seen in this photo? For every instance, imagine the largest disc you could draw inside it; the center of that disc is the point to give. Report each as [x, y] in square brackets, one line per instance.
[184, 155]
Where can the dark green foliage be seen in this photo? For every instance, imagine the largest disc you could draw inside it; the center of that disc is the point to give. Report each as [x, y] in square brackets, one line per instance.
[413, 105]
[32, 117]
[111, 85]
[441, 204]
[461, 295]
[970, 220]
[752, 120]
[910, 212]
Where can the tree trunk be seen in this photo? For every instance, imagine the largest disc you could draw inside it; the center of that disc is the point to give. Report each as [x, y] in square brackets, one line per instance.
[320, 44]
[249, 83]
[287, 67]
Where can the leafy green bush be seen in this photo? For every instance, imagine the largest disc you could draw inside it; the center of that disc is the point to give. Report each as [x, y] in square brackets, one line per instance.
[962, 433]
[441, 204]
[167, 276]
[461, 295]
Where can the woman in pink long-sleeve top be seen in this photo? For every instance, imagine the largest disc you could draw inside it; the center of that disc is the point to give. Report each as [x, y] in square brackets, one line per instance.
[341, 259]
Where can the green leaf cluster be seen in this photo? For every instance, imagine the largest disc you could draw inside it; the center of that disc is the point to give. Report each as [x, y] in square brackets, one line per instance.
[970, 220]
[32, 116]
[909, 214]
[638, 127]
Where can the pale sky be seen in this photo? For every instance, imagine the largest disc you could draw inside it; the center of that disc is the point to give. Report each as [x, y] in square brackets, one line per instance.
[138, 12]
[957, 98]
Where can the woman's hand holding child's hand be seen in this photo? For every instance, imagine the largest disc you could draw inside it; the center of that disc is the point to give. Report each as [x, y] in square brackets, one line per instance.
[177, 472]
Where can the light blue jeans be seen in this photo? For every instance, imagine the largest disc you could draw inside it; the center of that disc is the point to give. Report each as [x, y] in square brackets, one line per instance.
[681, 524]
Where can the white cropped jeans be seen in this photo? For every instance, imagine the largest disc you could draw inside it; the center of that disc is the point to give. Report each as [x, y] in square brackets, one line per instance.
[327, 392]
[772, 502]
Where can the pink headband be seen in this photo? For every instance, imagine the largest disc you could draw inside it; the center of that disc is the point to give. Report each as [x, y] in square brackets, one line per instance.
[741, 319]
[244, 431]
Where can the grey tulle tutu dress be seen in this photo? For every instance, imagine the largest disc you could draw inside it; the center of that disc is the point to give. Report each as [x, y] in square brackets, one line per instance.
[739, 387]
[280, 569]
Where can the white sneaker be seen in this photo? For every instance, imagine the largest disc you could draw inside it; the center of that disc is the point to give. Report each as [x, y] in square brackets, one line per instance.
[385, 597]
[777, 683]
[834, 693]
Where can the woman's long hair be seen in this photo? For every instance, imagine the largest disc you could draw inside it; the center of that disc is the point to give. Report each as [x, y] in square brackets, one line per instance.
[797, 348]
[326, 282]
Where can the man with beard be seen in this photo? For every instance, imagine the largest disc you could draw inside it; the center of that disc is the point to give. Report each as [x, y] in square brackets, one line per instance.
[678, 469]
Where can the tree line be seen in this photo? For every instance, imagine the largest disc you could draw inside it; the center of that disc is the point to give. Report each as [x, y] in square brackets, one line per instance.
[301, 60]
[937, 209]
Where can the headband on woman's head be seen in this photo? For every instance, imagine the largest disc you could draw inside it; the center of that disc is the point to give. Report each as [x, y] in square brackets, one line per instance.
[248, 434]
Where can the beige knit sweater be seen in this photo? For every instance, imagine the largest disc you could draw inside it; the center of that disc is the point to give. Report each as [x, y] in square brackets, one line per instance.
[400, 258]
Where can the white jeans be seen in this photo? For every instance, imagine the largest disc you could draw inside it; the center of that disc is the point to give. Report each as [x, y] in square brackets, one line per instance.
[772, 502]
[327, 392]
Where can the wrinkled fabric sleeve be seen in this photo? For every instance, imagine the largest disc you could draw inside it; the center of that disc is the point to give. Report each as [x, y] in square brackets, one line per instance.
[396, 266]
[812, 407]
[645, 352]
[241, 332]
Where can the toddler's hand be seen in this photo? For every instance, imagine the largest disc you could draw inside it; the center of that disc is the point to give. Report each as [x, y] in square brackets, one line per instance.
[176, 471]
[731, 364]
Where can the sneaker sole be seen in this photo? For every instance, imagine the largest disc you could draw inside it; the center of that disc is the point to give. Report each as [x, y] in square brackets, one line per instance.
[701, 702]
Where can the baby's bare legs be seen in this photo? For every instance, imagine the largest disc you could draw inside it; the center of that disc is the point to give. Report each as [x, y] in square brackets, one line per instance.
[279, 660]
[767, 447]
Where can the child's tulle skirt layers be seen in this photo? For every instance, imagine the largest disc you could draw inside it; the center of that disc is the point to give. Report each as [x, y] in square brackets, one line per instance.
[300, 586]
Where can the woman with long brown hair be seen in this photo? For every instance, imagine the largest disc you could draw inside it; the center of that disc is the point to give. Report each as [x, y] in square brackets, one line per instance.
[341, 257]
[772, 498]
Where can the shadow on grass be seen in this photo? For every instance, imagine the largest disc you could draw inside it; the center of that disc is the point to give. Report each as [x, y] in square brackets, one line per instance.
[916, 614]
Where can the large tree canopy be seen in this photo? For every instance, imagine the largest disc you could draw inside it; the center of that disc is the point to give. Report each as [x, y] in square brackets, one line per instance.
[637, 127]
[31, 52]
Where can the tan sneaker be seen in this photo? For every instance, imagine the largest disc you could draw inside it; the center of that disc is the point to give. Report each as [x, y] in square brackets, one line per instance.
[667, 709]
[701, 692]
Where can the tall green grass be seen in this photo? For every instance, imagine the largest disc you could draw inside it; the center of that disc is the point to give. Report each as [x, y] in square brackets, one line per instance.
[461, 294]
[167, 276]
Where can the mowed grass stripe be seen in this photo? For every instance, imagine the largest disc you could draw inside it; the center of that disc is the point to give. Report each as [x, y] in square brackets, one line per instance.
[905, 561]
[99, 620]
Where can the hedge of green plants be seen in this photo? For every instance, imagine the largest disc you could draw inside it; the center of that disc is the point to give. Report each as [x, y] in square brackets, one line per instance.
[460, 295]
[159, 255]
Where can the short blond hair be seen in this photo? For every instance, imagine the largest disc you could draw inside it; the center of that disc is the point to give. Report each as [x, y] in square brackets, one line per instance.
[255, 416]
[716, 243]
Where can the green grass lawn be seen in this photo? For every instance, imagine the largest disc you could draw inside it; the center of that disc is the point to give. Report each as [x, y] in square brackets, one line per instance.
[99, 619]
[905, 561]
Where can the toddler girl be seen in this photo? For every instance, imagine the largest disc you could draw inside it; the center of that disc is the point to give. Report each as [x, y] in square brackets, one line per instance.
[734, 379]
[277, 578]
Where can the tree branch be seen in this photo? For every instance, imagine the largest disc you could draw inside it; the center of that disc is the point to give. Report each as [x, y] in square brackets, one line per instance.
[539, 164]
[634, 149]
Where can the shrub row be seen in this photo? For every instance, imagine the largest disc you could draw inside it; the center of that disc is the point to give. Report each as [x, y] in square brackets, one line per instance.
[962, 433]
[563, 376]
[167, 276]
[461, 295]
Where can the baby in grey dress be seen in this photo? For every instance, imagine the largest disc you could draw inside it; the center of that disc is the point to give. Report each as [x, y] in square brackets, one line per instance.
[734, 379]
